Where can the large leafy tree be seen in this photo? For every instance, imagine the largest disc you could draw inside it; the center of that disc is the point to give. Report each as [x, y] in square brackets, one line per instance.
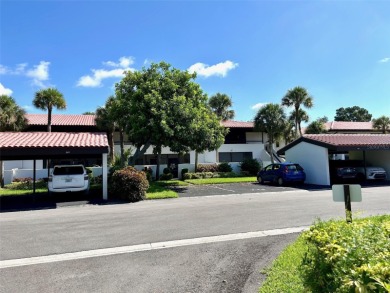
[220, 104]
[353, 114]
[12, 117]
[47, 99]
[164, 107]
[271, 119]
[297, 97]
[382, 123]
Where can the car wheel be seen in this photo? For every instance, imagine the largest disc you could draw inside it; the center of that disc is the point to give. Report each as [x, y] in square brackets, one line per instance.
[280, 181]
[260, 180]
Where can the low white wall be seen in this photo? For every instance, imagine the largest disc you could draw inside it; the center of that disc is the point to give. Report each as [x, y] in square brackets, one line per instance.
[313, 159]
[22, 164]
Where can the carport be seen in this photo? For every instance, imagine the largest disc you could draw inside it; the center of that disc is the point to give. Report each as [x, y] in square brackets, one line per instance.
[312, 152]
[54, 145]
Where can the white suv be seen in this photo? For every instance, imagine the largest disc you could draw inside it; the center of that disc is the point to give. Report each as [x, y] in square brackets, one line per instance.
[373, 173]
[68, 178]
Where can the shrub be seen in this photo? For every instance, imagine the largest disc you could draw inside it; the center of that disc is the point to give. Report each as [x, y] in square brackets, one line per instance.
[149, 173]
[183, 172]
[207, 168]
[25, 184]
[167, 171]
[252, 166]
[346, 257]
[224, 167]
[129, 184]
[164, 176]
[96, 179]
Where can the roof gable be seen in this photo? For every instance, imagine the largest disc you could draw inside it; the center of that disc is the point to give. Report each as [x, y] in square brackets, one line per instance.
[344, 142]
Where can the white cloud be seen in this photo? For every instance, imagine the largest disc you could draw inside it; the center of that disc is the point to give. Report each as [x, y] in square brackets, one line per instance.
[98, 75]
[39, 73]
[384, 60]
[258, 106]
[5, 91]
[27, 107]
[220, 69]
[3, 69]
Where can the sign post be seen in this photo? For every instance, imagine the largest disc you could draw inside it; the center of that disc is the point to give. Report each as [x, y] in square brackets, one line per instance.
[347, 193]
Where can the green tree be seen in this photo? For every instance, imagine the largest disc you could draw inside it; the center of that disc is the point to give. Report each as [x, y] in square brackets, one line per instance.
[164, 107]
[288, 131]
[12, 117]
[89, 113]
[220, 104]
[316, 127]
[271, 119]
[47, 99]
[382, 123]
[353, 114]
[297, 97]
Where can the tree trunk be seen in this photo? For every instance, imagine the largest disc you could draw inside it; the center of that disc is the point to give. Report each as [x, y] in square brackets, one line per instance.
[139, 152]
[49, 119]
[122, 147]
[196, 161]
[110, 137]
[270, 148]
[1, 174]
[158, 166]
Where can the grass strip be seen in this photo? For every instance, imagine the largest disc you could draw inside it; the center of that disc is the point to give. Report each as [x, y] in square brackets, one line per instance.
[17, 192]
[284, 274]
[158, 190]
[221, 180]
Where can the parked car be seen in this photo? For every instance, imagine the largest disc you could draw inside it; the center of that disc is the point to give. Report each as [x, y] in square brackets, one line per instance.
[372, 173]
[68, 178]
[282, 173]
[347, 173]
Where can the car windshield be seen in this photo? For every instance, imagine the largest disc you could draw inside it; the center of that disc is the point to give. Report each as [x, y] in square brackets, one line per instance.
[69, 170]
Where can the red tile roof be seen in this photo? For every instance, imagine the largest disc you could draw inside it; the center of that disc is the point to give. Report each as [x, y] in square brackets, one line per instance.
[237, 124]
[52, 140]
[353, 140]
[347, 125]
[344, 142]
[60, 119]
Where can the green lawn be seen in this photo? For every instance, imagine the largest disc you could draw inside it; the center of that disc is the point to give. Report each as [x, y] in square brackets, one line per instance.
[16, 192]
[221, 180]
[158, 189]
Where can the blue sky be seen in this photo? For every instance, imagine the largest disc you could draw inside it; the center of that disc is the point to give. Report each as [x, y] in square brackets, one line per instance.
[253, 51]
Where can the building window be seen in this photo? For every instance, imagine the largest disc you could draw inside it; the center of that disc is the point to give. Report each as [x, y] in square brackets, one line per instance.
[235, 156]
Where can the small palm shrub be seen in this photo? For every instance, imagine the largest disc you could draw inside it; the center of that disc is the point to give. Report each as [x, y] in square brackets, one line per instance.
[184, 171]
[224, 167]
[252, 166]
[129, 184]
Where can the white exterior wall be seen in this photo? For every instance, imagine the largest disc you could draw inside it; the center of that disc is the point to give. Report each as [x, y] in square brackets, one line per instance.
[313, 159]
[22, 164]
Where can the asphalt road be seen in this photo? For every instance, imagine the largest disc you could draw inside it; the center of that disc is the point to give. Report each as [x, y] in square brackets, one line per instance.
[228, 266]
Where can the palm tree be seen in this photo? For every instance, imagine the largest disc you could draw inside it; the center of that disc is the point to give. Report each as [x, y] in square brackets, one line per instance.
[47, 99]
[271, 119]
[12, 117]
[220, 104]
[302, 116]
[104, 122]
[297, 97]
[382, 123]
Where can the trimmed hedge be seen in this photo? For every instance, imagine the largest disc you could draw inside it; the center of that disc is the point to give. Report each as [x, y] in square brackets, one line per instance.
[129, 184]
[25, 184]
[207, 168]
[224, 167]
[203, 175]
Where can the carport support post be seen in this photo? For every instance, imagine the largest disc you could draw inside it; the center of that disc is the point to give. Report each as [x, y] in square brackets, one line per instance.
[104, 173]
[34, 174]
[347, 200]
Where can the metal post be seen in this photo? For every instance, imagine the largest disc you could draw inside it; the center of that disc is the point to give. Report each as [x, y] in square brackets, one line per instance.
[347, 200]
[34, 175]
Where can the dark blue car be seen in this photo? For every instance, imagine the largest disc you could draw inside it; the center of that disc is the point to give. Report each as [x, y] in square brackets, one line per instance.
[281, 173]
